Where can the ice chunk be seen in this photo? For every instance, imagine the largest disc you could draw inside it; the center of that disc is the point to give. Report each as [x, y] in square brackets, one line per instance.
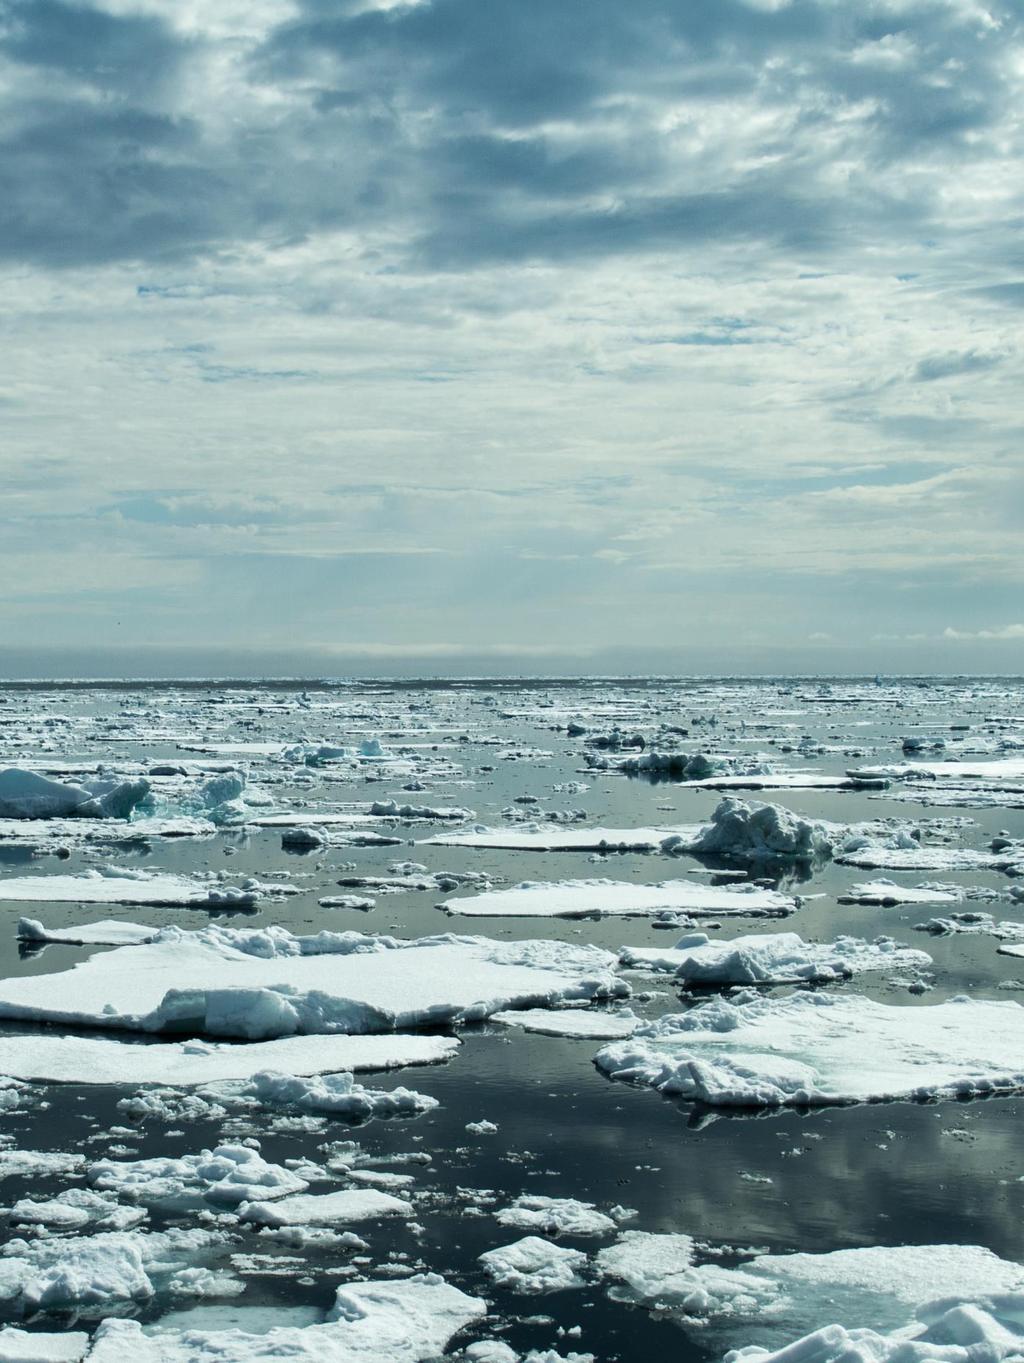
[33, 1346]
[38, 1163]
[592, 898]
[107, 932]
[120, 885]
[887, 894]
[93, 1273]
[99, 1060]
[75, 1209]
[555, 1216]
[754, 832]
[815, 1049]
[267, 983]
[773, 958]
[371, 1322]
[329, 1209]
[771, 1298]
[335, 1093]
[28, 795]
[554, 838]
[226, 1176]
[533, 1265]
[594, 1024]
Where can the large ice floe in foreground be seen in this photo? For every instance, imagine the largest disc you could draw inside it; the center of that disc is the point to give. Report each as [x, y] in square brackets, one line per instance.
[771, 958]
[28, 795]
[370, 1322]
[265, 983]
[959, 1295]
[819, 1049]
[600, 898]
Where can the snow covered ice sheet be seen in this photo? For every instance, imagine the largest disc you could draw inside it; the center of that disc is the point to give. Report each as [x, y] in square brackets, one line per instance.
[772, 958]
[48, 1058]
[121, 885]
[589, 898]
[107, 932]
[770, 1299]
[594, 1024]
[266, 983]
[819, 1049]
[370, 1322]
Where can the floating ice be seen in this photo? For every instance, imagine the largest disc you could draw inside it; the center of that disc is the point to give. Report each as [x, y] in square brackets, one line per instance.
[771, 1298]
[266, 983]
[815, 1049]
[73, 1210]
[328, 1209]
[555, 1216]
[592, 898]
[38, 1163]
[338, 1094]
[122, 885]
[28, 795]
[887, 894]
[371, 1322]
[93, 1273]
[901, 852]
[47, 1058]
[226, 1176]
[772, 958]
[754, 832]
[107, 932]
[594, 1024]
[33, 1346]
[556, 838]
[533, 1266]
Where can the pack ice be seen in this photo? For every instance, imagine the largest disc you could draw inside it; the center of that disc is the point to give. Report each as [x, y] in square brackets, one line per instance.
[28, 795]
[771, 1299]
[370, 1322]
[771, 958]
[601, 898]
[264, 983]
[125, 885]
[821, 1049]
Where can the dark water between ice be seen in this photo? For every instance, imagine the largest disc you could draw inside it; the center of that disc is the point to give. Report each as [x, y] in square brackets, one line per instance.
[882, 1174]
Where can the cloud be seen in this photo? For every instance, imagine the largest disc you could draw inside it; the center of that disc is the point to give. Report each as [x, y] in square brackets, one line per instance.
[997, 632]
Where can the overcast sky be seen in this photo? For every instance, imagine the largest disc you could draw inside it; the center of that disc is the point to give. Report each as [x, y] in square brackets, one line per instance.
[504, 333]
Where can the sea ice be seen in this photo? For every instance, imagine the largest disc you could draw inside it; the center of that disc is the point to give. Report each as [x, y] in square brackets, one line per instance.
[33, 1346]
[338, 1094]
[593, 898]
[121, 885]
[46, 1058]
[753, 832]
[555, 1216]
[770, 1298]
[532, 1266]
[326, 1209]
[225, 1177]
[771, 958]
[28, 795]
[371, 1322]
[107, 932]
[816, 1049]
[266, 983]
[591, 1023]
[558, 838]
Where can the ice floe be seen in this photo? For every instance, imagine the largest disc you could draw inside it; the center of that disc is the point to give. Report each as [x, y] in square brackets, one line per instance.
[337, 1094]
[594, 898]
[533, 1266]
[224, 1177]
[341, 1208]
[124, 885]
[555, 1216]
[818, 1049]
[28, 795]
[591, 1023]
[107, 932]
[769, 1300]
[268, 983]
[371, 1322]
[558, 838]
[48, 1058]
[771, 958]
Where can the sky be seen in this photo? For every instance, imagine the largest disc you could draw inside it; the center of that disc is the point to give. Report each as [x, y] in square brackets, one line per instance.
[511, 336]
